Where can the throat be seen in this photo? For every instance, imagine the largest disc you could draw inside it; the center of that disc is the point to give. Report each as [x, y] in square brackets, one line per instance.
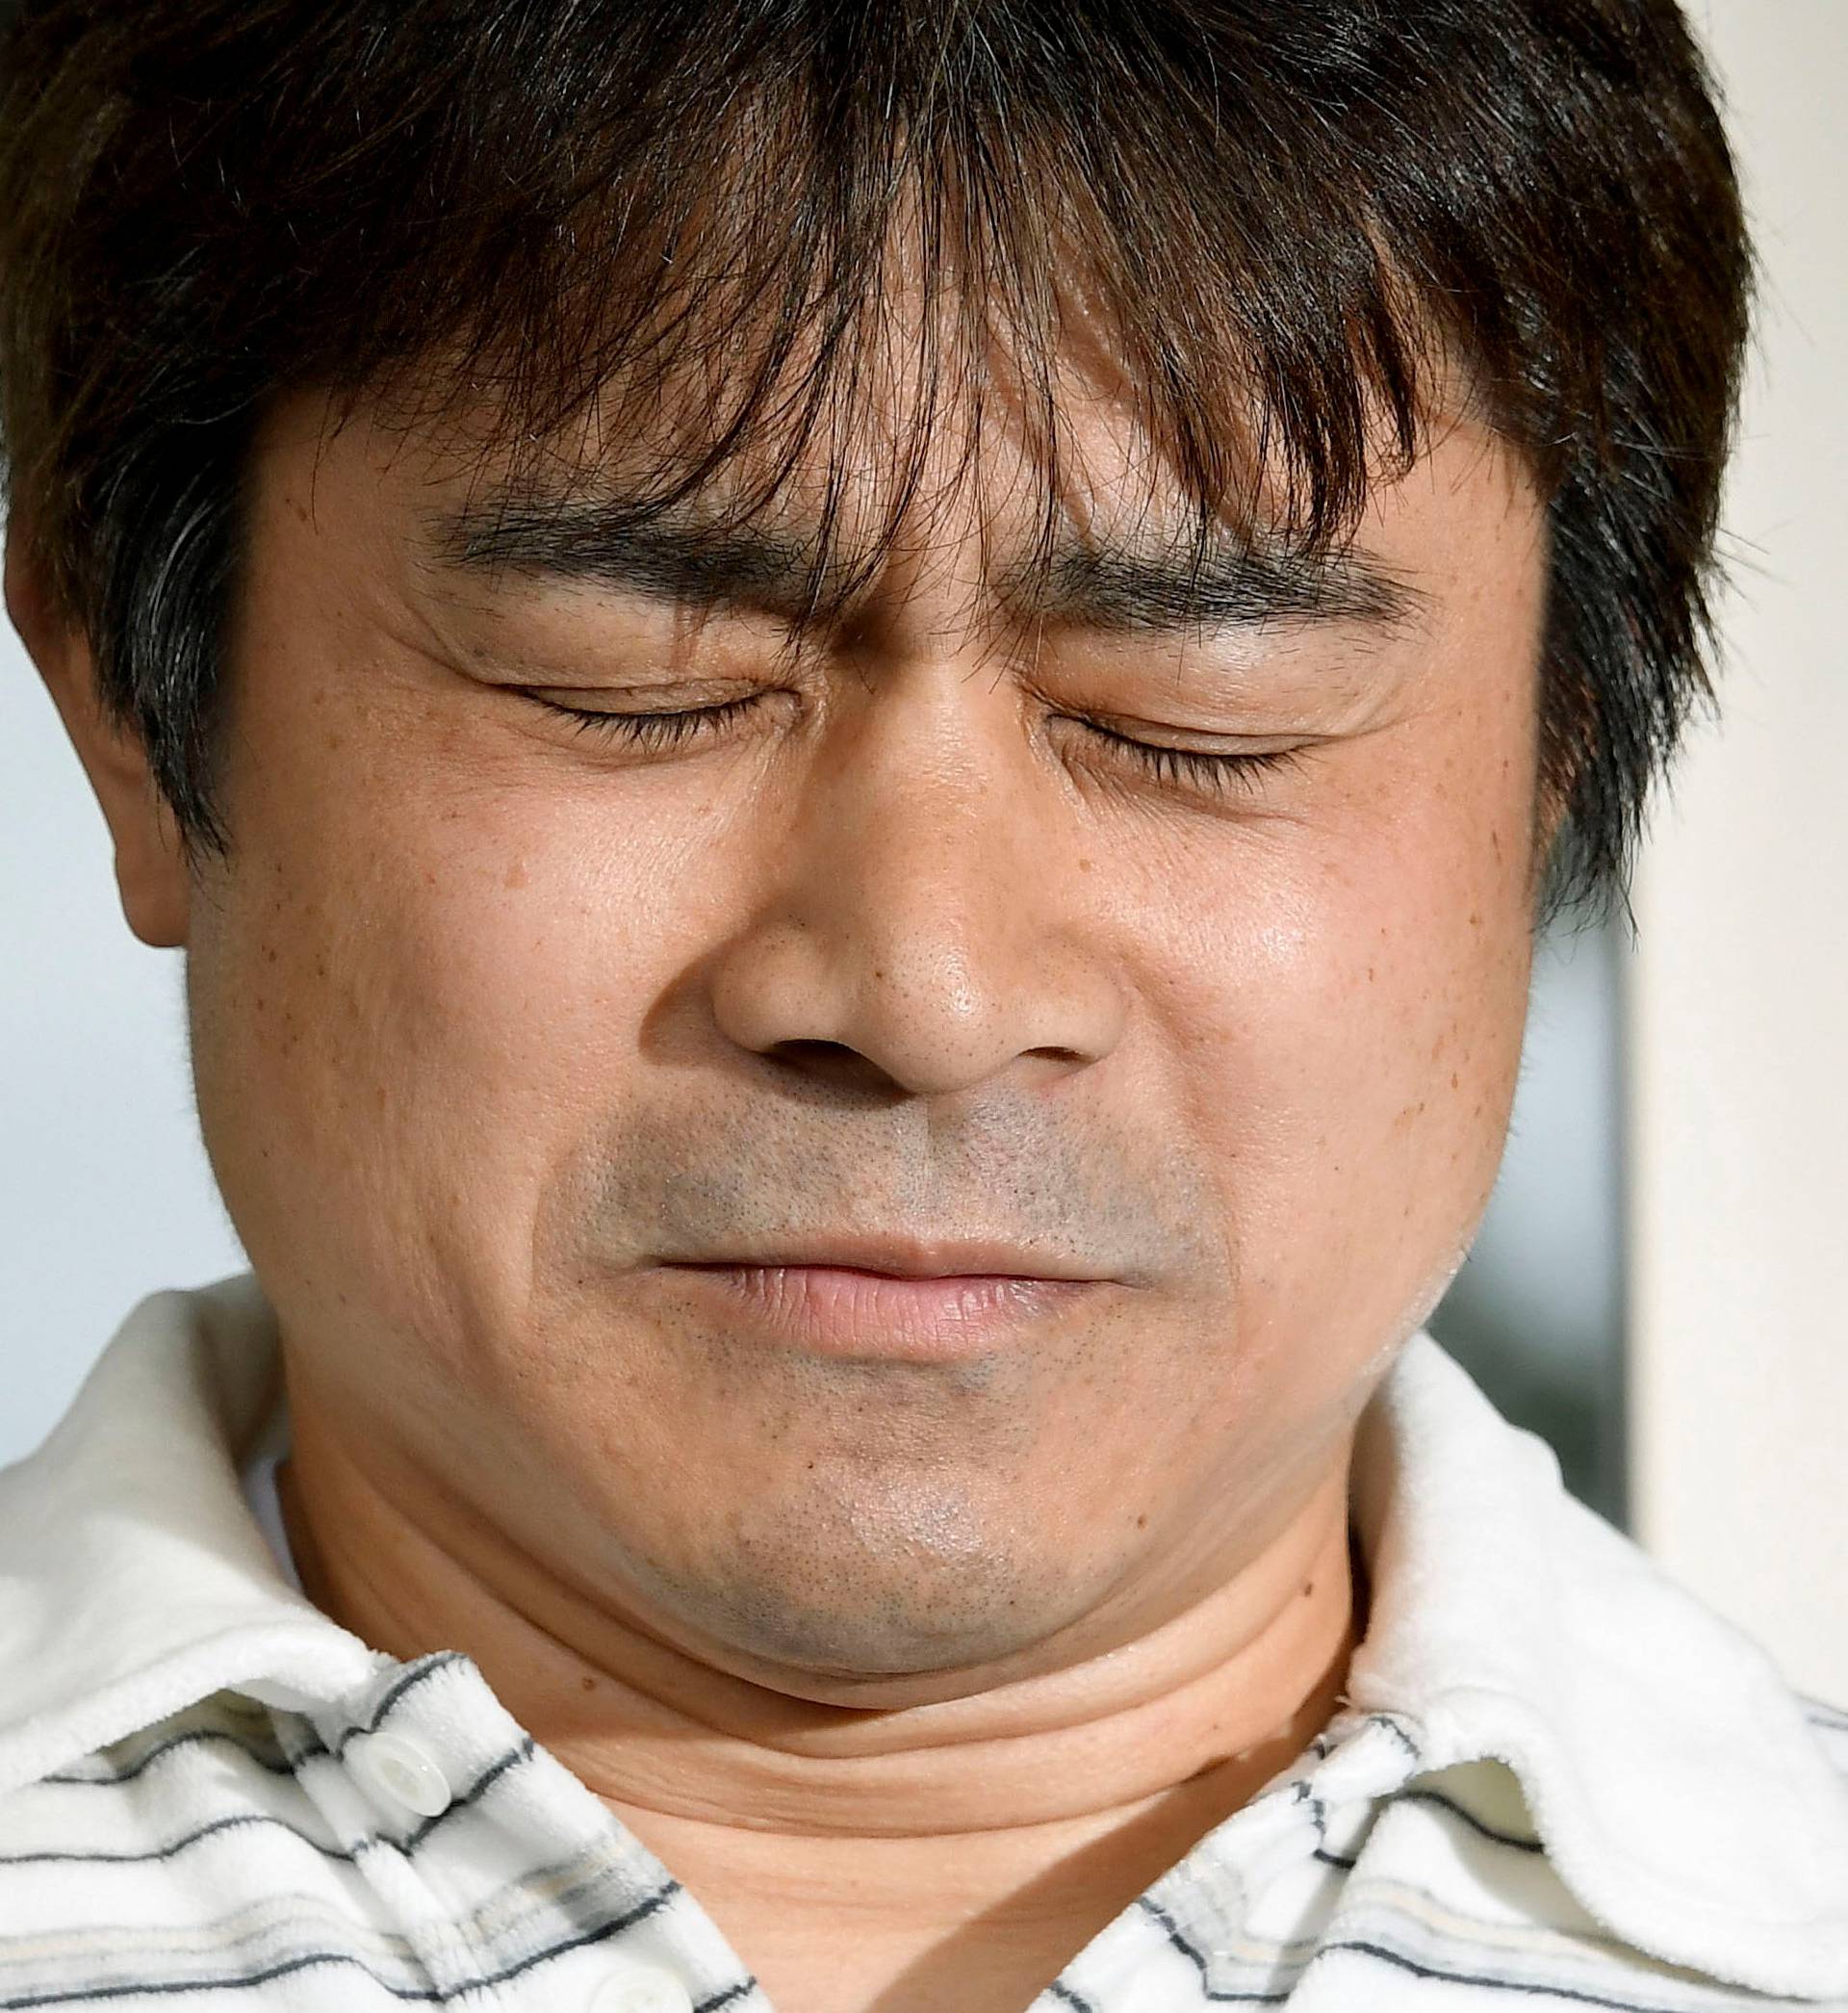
[984, 1921]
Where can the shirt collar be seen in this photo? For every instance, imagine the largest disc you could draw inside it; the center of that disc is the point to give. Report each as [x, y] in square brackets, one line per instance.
[1670, 1771]
[133, 1579]
[1681, 1795]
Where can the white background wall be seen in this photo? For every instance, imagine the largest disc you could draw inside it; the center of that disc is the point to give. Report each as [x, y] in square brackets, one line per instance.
[1739, 993]
[104, 1191]
[1738, 1049]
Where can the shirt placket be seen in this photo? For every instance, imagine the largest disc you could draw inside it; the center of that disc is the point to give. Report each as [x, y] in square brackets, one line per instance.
[513, 1885]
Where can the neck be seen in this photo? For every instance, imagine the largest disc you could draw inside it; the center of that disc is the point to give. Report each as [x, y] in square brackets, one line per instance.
[1066, 1792]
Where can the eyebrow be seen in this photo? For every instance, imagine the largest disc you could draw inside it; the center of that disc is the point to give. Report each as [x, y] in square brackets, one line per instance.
[681, 561]
[1222, 585]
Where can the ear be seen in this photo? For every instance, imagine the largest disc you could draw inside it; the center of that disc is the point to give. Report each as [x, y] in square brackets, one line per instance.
[151, 869]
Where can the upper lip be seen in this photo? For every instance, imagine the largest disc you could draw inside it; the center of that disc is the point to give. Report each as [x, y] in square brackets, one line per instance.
[910, 1257]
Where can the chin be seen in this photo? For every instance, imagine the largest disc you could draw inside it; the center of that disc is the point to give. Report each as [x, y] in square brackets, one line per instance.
[822, 1618]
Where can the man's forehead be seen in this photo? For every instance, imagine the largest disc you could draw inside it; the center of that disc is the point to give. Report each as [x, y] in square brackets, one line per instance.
[1135, 574]
[1093, 526]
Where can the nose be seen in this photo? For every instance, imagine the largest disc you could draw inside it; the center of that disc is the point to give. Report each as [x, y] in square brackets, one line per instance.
[921, 931]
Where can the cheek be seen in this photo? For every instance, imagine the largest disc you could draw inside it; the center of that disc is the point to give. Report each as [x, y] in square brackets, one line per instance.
[1347, 1023]
[419, 984]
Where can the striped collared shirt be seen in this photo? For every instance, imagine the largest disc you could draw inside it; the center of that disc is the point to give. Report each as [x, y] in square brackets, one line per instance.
[1555, 1779]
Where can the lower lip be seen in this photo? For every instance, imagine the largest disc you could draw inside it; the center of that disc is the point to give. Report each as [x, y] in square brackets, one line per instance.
[835, 1310]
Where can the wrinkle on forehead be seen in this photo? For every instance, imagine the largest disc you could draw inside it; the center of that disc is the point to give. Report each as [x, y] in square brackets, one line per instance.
[936, 397]
[1116, 549]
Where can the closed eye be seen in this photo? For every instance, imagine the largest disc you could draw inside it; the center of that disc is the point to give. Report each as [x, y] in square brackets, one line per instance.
[659, 732]
[1211, 768]
[652, 730]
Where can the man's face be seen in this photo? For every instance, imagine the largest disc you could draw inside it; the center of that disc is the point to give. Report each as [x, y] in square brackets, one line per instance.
[517, 1039]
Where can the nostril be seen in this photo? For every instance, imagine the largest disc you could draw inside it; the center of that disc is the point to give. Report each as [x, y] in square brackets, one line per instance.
[830, 1062]
[811, 1054]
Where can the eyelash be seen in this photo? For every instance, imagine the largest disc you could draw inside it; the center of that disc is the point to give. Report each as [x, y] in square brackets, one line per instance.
[659, 732]
[652, 731]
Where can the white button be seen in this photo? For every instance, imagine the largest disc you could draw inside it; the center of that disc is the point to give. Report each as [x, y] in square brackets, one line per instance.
[396, 1770]
[640, 1988]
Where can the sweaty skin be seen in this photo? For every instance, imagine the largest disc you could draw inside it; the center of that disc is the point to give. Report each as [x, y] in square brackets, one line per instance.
[915, 1668]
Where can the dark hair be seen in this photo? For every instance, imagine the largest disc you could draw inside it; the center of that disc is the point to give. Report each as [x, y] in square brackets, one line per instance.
[1299, 219]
